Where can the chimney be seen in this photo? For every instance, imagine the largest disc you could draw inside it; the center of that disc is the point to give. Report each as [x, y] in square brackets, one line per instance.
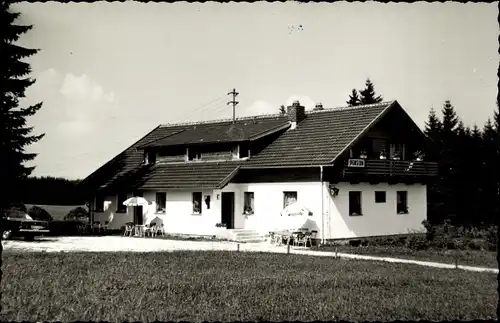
[296, 113]
[318, 107]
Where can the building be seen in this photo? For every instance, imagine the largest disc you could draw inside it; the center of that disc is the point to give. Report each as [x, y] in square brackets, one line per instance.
[362, 171]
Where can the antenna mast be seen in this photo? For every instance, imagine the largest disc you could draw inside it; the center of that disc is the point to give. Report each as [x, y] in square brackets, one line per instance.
[234, 103]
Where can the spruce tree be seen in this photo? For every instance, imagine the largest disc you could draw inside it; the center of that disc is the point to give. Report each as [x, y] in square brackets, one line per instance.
[433, 126]
[367, 96]
[15, 135]
[353, 99]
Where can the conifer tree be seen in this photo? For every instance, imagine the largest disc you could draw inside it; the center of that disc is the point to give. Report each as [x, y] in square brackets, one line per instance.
[353, 99]
[368, 96]
[15, 134]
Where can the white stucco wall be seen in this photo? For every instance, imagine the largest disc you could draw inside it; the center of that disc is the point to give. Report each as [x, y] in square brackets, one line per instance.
[268, 204]
[116, 220]
[179, 217]
[377, 218]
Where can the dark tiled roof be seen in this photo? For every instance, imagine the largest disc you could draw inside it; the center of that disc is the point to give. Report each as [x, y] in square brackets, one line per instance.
[128, 162]
[197, 175]
[319, 138]
[221, 132]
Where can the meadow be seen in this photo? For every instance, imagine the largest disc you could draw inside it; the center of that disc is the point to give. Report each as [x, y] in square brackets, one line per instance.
[228, 286]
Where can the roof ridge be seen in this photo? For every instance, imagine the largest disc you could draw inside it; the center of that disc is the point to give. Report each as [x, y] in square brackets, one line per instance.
[215, 121]
[350, 107]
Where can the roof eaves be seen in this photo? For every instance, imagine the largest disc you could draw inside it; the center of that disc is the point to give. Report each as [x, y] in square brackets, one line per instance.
[368, 127]
[135, 143]
[270, 131]
[228, 178]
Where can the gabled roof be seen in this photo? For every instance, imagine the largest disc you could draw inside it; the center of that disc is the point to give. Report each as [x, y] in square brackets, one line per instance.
[320, 137]
[318, 140]
[224, 132]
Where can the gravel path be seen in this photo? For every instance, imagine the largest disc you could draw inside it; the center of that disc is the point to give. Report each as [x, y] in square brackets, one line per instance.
[113, 243]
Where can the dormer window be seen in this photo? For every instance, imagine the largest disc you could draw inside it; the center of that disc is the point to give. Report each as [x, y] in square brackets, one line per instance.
[149, 157]
[244, 151]
[193, 154]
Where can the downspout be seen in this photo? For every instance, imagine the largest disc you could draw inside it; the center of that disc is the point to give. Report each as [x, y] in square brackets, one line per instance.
[322, 208]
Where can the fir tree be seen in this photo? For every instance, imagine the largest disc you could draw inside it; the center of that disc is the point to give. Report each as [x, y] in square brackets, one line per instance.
[15, 135]
[433, 126]
[367, 96]
[450, 119]
[353, 99]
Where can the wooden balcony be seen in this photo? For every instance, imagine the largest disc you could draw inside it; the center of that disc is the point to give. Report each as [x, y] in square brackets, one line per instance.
[383, 168]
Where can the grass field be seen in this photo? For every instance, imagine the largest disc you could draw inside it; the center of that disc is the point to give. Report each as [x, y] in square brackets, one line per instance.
[56, 211]
[224, 286]
[464, 257]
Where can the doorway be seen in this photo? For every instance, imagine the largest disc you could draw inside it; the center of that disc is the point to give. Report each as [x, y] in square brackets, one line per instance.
[227, 209]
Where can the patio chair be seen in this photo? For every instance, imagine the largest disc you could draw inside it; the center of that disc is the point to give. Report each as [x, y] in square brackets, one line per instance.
[161, 229]
[311, 237]
[272, 237]
[138, 230]
[129, 229]
[299, 238]
[105, 226]
[96, 226]
[152, 229]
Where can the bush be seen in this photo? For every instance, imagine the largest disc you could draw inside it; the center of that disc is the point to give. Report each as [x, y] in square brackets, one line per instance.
[417, 242]
[38, 213]
[78, 213]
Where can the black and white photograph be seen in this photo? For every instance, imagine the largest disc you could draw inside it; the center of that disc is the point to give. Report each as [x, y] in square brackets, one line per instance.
[265, 161]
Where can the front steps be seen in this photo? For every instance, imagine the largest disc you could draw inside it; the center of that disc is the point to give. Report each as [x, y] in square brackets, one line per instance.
[246, 235]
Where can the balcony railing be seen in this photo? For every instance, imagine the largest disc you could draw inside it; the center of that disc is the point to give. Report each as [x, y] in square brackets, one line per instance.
[384, 167]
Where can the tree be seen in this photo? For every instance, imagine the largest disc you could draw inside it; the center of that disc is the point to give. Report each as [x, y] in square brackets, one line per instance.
[282, 110]
[15, 135]
[353, 99]
[39, 213]
[77, 213]
[367, 96]
[433, 126]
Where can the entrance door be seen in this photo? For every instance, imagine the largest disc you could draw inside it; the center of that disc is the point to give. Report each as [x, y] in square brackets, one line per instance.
[138, 215]
[227, 209]
[138, 210]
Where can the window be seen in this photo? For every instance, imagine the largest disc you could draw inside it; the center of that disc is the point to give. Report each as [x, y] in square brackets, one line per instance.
[244, 151]
[397, 151]
[355, 203]
[194, 155]
[120, 208]
[402, 202]
[99, 204]
[248, 203]
[161, 202]
[379, 196]
[149, 157]
[196, 202]
[289, 198]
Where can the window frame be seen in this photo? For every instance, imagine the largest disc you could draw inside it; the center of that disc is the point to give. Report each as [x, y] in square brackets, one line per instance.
[157, 211]
[252, 203]
[285, 200]
[120, 208]
[352, 212]
[194, 199]
[404, 209]
[384, 200]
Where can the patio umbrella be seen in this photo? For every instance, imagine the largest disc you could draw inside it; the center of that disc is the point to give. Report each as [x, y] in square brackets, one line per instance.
[136, 201]
[296, 209]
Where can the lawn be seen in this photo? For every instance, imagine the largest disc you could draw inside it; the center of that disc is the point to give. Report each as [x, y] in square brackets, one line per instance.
[480, 258]
[228, 286]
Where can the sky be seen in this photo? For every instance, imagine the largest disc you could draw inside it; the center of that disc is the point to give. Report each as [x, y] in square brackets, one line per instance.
[108, 73]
